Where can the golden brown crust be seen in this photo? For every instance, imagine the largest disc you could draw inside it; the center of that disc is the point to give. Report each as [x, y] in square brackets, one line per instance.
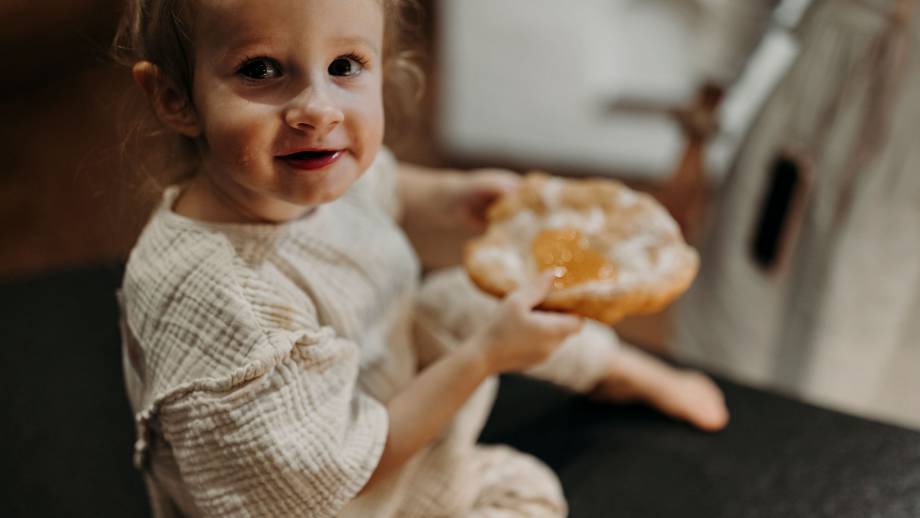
[621, 220]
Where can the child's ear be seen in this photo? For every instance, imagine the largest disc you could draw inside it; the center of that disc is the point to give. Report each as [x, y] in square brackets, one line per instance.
[171, 105]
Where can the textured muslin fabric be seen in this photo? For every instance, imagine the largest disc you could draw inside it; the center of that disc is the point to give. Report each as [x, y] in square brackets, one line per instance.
[515, 485]
[240, 380]
[835, 320]
[258, 360]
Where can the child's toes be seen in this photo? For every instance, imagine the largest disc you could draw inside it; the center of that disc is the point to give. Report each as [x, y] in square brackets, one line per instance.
[701, 402]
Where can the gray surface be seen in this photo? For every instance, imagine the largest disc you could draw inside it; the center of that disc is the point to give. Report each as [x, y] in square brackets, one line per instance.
[66, 433]
[777, 457]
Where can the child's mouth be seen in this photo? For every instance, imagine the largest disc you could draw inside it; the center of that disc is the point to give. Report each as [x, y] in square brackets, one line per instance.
[311, 160]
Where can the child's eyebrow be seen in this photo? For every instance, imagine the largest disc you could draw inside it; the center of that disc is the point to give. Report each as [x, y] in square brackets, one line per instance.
[244, 43]
[357, 40]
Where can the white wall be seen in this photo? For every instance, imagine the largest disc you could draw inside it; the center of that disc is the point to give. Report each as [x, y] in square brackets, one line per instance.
[531, 82]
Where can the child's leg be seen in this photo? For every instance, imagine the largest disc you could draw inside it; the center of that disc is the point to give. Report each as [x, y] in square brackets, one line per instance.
[457, 478]
[592, 360]
[685, 394]
[515, 485]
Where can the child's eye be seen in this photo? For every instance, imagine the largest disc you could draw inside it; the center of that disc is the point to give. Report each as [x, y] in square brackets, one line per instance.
[260, 69]
[346, 66]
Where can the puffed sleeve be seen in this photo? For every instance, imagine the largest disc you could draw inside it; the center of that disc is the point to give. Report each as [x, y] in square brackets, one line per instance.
[290, 435]
[730, 31]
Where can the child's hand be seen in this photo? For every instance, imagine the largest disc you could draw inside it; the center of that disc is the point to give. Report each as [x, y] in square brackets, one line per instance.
[471, 194]
[441, 209]
[519, 337]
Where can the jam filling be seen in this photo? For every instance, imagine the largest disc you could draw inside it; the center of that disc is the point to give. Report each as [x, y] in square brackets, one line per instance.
[573, 262]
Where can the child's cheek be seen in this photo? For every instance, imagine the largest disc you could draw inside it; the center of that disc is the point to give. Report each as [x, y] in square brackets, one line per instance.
[366, 119]
[244, 133]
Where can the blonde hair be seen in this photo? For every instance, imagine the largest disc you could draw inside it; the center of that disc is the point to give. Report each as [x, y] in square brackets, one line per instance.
[160, 31]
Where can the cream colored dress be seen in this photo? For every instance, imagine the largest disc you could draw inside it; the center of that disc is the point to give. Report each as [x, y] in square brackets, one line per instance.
[258, 360]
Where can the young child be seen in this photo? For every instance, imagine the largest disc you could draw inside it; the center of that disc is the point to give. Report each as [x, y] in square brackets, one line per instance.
[279, 357]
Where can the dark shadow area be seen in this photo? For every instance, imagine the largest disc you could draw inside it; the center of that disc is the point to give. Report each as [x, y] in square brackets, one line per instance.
[67, 433]
[777, 458]
[67, 430]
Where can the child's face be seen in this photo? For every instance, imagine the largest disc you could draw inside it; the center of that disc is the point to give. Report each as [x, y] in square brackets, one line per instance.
[287, 95]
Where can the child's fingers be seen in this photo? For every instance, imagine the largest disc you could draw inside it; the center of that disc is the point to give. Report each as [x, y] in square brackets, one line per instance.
[497, 181]
[487, 186]
[562, 324]
[533, 293]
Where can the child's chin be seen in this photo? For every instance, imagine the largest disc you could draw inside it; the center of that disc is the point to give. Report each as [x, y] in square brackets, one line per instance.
[335, 187]
[319, 198]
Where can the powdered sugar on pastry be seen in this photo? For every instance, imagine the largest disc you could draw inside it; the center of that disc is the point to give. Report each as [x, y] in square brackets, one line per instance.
[632, 231]
[551, 192]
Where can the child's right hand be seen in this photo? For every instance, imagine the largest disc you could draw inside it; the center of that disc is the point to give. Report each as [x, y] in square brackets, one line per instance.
[519, 337]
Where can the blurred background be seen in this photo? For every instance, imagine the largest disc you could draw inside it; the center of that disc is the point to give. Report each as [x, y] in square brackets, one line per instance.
[517, 83]
[70, 199]
[613, 88]
[61, 186]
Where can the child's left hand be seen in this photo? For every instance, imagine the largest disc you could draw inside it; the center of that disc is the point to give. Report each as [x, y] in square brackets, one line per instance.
[469, 195]
[444, 208]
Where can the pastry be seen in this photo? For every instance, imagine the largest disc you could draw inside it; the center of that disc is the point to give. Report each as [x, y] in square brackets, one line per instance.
[614, 252]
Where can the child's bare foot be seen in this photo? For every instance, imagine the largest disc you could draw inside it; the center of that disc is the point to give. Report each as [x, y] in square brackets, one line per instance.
[683, 394]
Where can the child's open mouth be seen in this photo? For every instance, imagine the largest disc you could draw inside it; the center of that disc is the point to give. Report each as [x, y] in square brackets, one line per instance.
[310, 160]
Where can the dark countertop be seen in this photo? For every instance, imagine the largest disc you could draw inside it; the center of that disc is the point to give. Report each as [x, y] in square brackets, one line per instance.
[777, 458]
[67, 433]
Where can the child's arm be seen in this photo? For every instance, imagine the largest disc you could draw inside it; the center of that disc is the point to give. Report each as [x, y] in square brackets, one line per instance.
[516, 338]
[442, 208]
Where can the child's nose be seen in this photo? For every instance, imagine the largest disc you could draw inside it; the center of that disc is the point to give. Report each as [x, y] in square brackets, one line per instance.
[313, 110]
